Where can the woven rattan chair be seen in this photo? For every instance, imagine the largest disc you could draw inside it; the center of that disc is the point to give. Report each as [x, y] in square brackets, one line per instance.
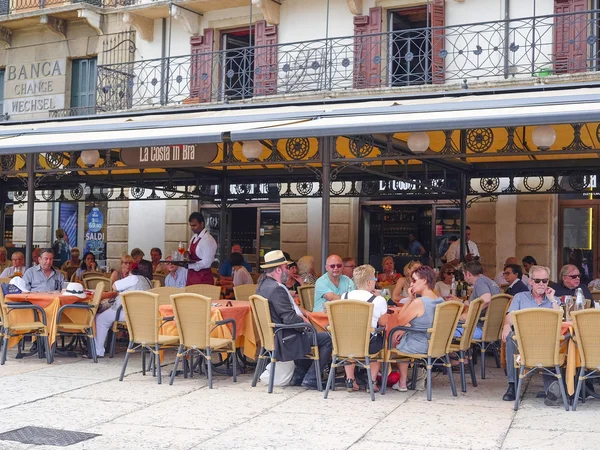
[38, 327]
[70, 271]
[192, 315]
[160, 277]
[143, 322]
[84, 275]
[4, 280]
[307, 297]
[91, 281]
[442, 331]
[165, 292]
[207, 290]
[492, 328]
[596, 295]
[83, 329]
[586, 325]
[244, 291]
[538, 335]
[350, 327]
[463, 345]
[267, 330]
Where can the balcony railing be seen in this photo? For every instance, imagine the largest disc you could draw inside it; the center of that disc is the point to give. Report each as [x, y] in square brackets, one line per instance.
[8, 7]
[490, 51]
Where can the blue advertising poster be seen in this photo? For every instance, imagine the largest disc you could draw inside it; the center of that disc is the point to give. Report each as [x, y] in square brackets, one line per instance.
[95, 230]
[67, 220]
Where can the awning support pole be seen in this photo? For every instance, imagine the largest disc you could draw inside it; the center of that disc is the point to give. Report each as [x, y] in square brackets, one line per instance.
[30, 202]
[326, 149]
[464, 190]
[3, 216]
[223, 218]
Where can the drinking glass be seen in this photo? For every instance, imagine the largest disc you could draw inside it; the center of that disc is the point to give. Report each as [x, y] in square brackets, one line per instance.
[568, 306]
[181, 250]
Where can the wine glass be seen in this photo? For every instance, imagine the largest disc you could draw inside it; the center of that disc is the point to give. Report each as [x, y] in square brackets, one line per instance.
[568, 306]
[181, 250]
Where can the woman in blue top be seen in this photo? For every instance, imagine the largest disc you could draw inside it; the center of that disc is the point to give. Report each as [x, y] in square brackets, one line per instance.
[417, 312]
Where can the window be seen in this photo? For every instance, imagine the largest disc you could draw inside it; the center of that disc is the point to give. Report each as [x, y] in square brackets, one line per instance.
[83, 86]
[409, 47]
[238, 65]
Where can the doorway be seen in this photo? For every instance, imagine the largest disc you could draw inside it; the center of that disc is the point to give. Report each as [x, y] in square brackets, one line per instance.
[409, 46]
[578, 236]
[238, 64]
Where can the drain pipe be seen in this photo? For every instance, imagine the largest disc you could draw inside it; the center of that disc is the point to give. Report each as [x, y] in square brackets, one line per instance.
[163, 54]
[506, 36]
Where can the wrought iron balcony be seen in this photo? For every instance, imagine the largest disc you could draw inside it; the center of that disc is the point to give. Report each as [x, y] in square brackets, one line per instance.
[491, 51]
[8, 7]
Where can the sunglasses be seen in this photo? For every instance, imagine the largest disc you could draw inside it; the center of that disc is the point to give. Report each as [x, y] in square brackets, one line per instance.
[574, 276]
[335, 266]
[507, 273]
[414, 280]
[450, 273]
[539, 280]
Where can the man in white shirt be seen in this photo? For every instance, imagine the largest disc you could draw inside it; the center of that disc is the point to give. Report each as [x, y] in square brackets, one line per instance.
[177, 276]
[201, 253]
[471, 250]
[18, 266]
[501, 281]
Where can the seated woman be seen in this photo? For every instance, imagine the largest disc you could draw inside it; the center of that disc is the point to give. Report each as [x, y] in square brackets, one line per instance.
[364, 280]
[444, 285]
[401, 288]
[388, 274]
[418, 312]
[87, 265]
[238, 271]
[306, 269]
[294, 280]
[124, 271]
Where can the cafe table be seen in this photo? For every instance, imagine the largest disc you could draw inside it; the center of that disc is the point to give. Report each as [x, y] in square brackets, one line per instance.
[239, 311]
[51, 302]
[320, 320]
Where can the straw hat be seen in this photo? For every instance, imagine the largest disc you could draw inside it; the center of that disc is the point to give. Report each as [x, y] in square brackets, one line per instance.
[274, 258]
[75, 289]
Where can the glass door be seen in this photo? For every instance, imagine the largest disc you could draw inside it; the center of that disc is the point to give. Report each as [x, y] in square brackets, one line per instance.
[578, 233]
[269, 231]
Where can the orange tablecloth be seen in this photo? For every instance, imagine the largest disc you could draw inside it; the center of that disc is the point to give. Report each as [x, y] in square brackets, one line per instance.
[51, 302]
[240, 312]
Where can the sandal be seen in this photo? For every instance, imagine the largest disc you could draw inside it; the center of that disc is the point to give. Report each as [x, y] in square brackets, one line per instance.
[375, 388]
[351, 385]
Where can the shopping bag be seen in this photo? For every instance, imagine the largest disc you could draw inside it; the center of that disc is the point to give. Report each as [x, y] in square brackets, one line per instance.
[284, 371]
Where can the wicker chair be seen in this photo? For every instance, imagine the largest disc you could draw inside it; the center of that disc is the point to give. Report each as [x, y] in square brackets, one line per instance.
[538, 335]
[5, 280]
[207, 290]
[463, 345]
[143, 322]
[350, 327]
[70, 271]
[492, 328]
[244, 291]
[160, 277]
[266, 331]
[307, 297]
[91, 281]
[442, 331]
[164, 293]
[192, 315]
[37, 327]
[84, 275]
[596, 295]
[83, 329]
[586, 325]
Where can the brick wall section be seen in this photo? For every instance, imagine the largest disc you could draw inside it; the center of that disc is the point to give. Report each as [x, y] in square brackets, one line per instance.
[340, 226]
[535, 229]
[294, 227]
[117, 232]
[481, 217]
[176, 225]
[42, 225]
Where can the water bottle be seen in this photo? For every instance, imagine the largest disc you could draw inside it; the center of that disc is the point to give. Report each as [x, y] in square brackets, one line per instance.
[453, 287]
[579, 300]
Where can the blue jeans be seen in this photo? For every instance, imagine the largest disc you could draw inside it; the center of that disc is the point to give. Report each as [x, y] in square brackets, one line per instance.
[305, 367]
[476, 334]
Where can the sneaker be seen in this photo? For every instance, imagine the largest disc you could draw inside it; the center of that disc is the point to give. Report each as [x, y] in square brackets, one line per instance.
[553, 395]
[310, 385]
[397, 387]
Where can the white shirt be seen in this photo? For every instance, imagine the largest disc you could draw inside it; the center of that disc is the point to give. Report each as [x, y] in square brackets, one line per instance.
[500, 281]
[241, 276]
[205, 250]
[379, 303]
[10, 271]
[454, 250]
[443, 289]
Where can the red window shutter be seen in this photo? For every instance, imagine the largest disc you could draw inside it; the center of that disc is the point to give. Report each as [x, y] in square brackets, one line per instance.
[202, 66]
[367, 49]
[570, 37]
[265, 58]
[438, 38]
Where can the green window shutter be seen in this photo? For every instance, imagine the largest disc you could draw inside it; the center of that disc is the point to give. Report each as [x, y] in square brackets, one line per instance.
[83, 84]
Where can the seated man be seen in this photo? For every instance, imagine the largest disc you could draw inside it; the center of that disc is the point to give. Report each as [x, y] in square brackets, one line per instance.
[570, 280]
[74, 261]
[177, 276]
[500, 279]
[35, 256]
[285, 311]
[142, 267]
[226, 268]
[18, 265]
[349, 264]
[105, 319]
[512, 274]
[156, 256]
[44, 277]
[332, 284]
[541, 296]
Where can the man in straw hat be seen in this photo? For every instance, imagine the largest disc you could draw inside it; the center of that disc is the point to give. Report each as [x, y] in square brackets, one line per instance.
[292, 344]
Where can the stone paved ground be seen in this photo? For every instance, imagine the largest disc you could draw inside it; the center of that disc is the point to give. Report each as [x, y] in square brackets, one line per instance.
[75, 394]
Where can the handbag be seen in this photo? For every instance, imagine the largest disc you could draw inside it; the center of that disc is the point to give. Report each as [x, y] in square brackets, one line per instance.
[292, 344]
[104, 305]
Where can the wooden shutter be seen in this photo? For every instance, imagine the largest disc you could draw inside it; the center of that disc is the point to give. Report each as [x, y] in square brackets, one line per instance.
[367, 49]
[570, 37]
[265, 58]
[201, 70]
[83, 86]
[438, 41]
